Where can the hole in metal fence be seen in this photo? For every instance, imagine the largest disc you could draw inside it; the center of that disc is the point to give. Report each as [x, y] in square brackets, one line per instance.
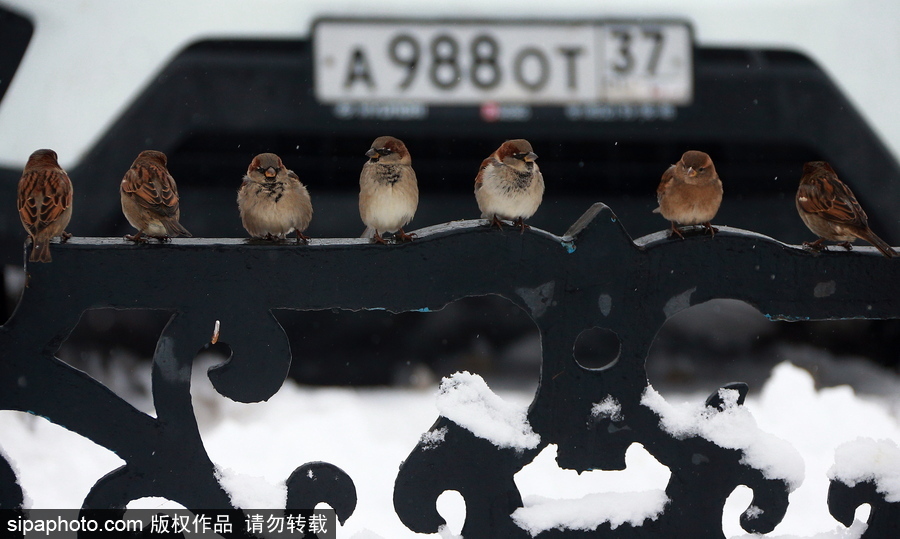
[116, 348]
[597, 348]
[452, 506]
[487, 335]
[711, 343]
[553, 501]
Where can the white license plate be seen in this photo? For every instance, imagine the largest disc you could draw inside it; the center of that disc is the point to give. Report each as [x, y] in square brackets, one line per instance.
[456, 63]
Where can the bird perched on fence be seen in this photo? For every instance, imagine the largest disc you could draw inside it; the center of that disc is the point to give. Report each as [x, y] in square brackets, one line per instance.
[150, 198]
[509, 184]
[830, 210]
[388, 190]
[690, 192]
[272, 201]
[44, 202]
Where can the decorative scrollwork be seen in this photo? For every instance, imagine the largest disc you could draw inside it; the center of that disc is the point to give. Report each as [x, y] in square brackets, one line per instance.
[594, 276]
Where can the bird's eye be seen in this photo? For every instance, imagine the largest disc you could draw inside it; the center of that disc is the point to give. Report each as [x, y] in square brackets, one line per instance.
[385, 151]
[520, 156]
[261, 170]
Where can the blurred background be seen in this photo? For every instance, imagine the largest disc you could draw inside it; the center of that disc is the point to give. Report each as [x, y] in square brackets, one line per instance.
[761, 86]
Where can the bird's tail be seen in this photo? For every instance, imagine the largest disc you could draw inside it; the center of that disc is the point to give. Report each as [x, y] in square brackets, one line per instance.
[879, 243]
[174, 228]
[40, 252]
[368, 233]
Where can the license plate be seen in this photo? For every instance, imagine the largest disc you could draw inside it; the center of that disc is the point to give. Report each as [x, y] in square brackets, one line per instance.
[461, 63]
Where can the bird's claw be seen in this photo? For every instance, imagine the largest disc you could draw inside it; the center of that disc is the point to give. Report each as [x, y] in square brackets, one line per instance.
[815, 246]
[403, 236]
[495, 222]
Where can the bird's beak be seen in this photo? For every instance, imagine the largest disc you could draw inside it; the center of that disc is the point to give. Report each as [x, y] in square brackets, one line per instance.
[372, 153]
[529, 157]
[691, 172]
[270, 172]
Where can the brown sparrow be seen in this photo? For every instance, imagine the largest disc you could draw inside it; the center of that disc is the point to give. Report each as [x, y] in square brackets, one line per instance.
[830, 210]
[150, 198]
[44, 202]
[509, 184]
[272, 201]
[690, 192]
[388, 190]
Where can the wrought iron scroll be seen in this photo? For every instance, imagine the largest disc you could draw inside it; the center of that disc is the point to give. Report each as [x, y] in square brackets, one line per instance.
[595, 275]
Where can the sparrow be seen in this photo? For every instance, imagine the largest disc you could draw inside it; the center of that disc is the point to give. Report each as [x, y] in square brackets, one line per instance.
[388, 190]
[272, 201]
[509, 184]
[830, 210]
[150, 198]
[690, 192]
[44, 202]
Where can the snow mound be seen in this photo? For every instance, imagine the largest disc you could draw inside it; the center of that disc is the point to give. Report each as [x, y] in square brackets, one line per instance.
[588, 513]
[865, 459]
[434, 438]
[608, 408]
[730, 428]
[249, 491]
[465, 399]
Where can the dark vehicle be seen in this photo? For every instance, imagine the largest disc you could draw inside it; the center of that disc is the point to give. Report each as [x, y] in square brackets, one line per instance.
[760, 114]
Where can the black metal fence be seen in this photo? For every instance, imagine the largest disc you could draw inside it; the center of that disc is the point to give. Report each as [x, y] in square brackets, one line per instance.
[594, 276]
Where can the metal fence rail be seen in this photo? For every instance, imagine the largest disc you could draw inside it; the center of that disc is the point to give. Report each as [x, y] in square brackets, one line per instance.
[593, 276]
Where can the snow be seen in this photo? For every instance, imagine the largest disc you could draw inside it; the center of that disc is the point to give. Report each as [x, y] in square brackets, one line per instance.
[754, 512]
[251, 491]
[865, 459]
[816, 422]
[837, 532]
[433, 438]
[466, 399]
[369, 432]
[541, 514]
[732, 428]
[608, 408]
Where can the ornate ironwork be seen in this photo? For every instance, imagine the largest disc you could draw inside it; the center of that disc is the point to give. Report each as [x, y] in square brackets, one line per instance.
[595, 275]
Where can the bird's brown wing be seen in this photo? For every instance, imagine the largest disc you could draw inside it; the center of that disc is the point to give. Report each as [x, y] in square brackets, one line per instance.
[53, 187]
[479, 178]
[826, 196]
[293, 176]
[153, 188]
[664, 182]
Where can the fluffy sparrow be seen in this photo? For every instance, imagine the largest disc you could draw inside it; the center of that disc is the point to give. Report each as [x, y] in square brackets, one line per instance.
[150, 198]
[830, 210]
[44, 202]
[509, 184]
[388, 191]
[690, 192]
[272, 201]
